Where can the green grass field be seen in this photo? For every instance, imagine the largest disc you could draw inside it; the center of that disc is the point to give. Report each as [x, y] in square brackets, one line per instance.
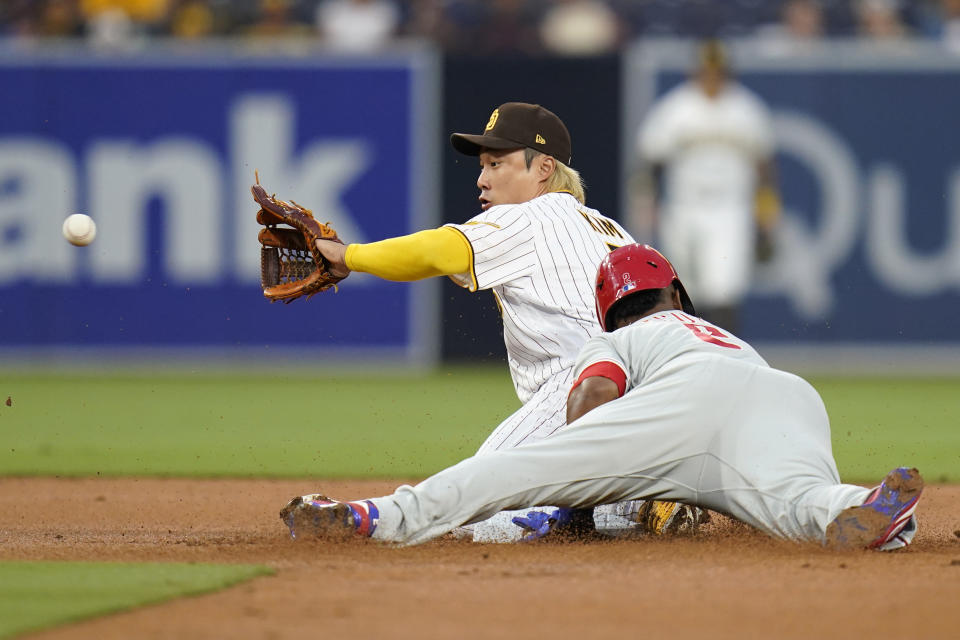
[352, 426]
[208, 425]
[880, 423]
[392, 425]
[35, 595]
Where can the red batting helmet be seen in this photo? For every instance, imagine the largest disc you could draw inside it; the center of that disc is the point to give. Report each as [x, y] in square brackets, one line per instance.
[633, 268]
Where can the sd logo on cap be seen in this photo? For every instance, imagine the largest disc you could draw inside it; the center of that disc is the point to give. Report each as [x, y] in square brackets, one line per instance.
[515, 125]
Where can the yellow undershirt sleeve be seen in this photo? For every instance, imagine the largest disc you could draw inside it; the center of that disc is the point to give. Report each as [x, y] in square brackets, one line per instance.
[434, 252]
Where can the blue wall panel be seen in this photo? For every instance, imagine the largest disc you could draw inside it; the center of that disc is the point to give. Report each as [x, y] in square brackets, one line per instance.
[162, 152]
[868, 169]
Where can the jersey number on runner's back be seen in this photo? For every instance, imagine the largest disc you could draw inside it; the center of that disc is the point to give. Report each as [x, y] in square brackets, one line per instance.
[709, 334]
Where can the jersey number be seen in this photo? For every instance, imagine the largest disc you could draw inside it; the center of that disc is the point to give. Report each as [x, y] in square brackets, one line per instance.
[710, 334]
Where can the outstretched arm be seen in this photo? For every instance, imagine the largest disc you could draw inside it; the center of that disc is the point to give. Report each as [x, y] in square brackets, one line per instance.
[434, 252]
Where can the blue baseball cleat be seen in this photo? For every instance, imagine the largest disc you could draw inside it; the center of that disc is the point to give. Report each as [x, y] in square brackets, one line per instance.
[317, 516]
[885, 520]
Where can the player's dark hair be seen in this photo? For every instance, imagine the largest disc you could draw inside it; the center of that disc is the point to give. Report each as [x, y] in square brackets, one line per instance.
[528, 155]
[635, 304]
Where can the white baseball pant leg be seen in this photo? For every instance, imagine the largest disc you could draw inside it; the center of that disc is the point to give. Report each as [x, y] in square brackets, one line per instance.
[712, 251]
[724, 246]
[744, 440]
[543, 415]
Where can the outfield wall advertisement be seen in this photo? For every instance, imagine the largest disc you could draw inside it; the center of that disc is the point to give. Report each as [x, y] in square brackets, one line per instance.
[160, 149]
[161, 152]
[867, 147]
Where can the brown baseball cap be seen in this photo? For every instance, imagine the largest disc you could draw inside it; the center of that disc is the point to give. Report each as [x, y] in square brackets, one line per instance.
[515, 125]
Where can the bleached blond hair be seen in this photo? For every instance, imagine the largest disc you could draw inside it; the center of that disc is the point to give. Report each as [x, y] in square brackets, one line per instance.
[563, 178]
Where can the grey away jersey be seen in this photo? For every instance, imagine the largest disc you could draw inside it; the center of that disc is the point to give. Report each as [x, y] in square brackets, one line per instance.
[645, 347]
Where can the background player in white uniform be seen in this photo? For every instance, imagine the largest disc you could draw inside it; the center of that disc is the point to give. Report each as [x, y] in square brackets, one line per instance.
[709, 144]
[536, 245]
[666, 406]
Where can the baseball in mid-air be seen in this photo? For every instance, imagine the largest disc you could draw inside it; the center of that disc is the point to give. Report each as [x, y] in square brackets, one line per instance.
[79, 229]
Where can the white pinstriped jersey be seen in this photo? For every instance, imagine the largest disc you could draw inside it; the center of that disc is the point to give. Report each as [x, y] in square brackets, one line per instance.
[709, 146]
[540, 258]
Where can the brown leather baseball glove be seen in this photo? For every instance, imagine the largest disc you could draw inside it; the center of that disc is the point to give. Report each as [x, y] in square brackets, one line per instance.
[290, 264]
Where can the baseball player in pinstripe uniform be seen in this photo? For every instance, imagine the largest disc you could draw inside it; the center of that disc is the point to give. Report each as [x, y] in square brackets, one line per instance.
[535, 245]
[712, 141]
[664, 405]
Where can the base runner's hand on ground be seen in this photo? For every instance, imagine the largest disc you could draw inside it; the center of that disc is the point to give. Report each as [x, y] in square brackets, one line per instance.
[537, 524]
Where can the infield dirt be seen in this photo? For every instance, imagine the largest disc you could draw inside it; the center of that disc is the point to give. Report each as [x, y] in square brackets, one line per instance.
[728, 582]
